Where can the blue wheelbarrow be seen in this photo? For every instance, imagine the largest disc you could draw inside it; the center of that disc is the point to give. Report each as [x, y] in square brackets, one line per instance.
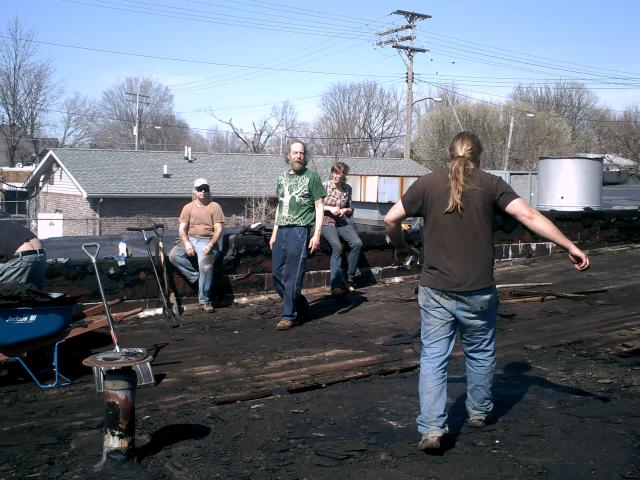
[24, 329]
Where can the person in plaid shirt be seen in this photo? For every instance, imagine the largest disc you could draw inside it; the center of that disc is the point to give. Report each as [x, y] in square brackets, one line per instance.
[338, 206]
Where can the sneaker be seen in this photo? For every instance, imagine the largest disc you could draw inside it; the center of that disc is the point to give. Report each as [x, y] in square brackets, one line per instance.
[348, 286]
[338, 291]
[429, 441]
[206, 307]
[476, 422]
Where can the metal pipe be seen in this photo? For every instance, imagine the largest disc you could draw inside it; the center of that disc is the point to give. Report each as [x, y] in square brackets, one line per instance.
[119, 415]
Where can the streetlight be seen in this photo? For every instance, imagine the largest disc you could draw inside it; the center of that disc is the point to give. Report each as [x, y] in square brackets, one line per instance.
[435, 99]
[438, 99]
[508, 147]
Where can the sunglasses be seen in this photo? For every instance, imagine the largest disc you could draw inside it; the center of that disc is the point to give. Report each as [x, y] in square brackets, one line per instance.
[202, 188]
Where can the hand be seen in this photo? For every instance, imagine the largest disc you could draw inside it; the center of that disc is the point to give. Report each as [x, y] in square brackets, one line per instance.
[334, 210]
[314, 243]
[189, 249]
[340, 212]
[579, 258]
[272, 240]
[207, 248]
[404, 252]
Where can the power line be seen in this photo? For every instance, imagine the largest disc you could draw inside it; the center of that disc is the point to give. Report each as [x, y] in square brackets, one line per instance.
[564, 62]
[201, 62]
[527, 65]
[229, 78]
[233, 20]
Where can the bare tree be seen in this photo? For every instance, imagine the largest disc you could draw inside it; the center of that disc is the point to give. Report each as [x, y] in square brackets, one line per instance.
[543, 134]
[287, 117]
[158, 126]
[440, 125]
[198, 142]
[540, 134]
[572, 101]
[260, 209]
[280, 121]
[359, 119]
[26, 90]
[77, 120]
[221, 141]
[624, 134]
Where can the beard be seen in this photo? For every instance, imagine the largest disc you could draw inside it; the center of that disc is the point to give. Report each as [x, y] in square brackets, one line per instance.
[297, 166]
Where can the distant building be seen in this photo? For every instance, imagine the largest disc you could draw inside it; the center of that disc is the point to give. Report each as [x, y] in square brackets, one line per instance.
[615, 169]
[93, 192]
[13, 197]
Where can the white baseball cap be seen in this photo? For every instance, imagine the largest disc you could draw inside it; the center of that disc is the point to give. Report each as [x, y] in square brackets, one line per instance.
[199, 182]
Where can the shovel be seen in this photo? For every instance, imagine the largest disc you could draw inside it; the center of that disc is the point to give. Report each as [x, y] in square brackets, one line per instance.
[143, 370]
[167, 310]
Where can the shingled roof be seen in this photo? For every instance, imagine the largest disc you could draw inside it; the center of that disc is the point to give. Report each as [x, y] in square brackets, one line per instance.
[119, 173]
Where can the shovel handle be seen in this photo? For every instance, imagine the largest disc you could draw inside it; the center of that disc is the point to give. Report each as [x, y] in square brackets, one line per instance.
[87, 246]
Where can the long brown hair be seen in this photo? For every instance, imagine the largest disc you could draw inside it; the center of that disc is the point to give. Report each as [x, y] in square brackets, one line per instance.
[464, 153]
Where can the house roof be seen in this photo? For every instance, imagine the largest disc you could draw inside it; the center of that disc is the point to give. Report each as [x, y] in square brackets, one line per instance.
[611, 161]
[117, 173]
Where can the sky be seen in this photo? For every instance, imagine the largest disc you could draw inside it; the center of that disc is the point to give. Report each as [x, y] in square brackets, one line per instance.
[239, 58]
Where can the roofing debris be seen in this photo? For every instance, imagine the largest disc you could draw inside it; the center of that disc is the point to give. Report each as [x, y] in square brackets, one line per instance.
[337, 396]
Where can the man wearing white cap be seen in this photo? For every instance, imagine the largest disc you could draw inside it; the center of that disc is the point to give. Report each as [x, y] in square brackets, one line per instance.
[200, 229]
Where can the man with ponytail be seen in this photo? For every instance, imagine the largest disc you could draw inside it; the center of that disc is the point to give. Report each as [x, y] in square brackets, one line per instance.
[457, 287]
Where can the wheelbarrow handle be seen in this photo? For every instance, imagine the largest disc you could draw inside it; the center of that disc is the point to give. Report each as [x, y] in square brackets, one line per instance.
[87, 246]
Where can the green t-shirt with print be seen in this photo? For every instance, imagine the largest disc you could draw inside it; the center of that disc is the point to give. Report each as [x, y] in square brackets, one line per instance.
[297, 194]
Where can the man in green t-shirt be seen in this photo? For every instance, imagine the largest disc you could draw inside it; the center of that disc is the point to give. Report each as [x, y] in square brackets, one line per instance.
[300, 207]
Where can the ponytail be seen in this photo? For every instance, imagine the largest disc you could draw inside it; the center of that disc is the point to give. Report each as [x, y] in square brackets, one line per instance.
[464, 153]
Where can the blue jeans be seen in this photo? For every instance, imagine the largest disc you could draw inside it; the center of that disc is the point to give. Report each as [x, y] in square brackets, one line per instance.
[204, 274]
[332, 235]
[442, 313]
[27, 269]
[289, 264]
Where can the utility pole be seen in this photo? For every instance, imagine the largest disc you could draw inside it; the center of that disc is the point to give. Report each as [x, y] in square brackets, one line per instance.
[409, 50]
[136, 127]
[508, 147]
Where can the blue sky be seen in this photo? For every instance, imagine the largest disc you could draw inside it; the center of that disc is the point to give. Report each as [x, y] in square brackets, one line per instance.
[239, 58]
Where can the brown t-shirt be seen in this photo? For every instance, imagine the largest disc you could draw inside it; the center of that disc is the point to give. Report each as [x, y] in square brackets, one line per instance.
[458, 247]
[201, 219]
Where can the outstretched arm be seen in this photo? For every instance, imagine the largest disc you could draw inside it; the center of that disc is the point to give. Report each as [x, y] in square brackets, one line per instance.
[541, 225]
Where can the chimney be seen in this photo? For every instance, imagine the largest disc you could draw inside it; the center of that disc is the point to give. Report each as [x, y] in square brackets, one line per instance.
[165, 171]
[186, 152]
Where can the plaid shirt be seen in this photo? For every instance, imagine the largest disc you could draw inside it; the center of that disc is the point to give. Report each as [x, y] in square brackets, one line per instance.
[336, 198]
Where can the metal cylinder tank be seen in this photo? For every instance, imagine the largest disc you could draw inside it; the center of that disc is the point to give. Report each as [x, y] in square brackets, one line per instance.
[569, 183]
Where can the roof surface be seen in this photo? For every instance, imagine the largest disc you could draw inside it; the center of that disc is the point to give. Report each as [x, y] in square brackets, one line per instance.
[337, 397]
[133, 173]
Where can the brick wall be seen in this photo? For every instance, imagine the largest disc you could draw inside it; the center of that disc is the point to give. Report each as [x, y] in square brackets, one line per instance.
[79, 215]
[119, 213]
[116, 214]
